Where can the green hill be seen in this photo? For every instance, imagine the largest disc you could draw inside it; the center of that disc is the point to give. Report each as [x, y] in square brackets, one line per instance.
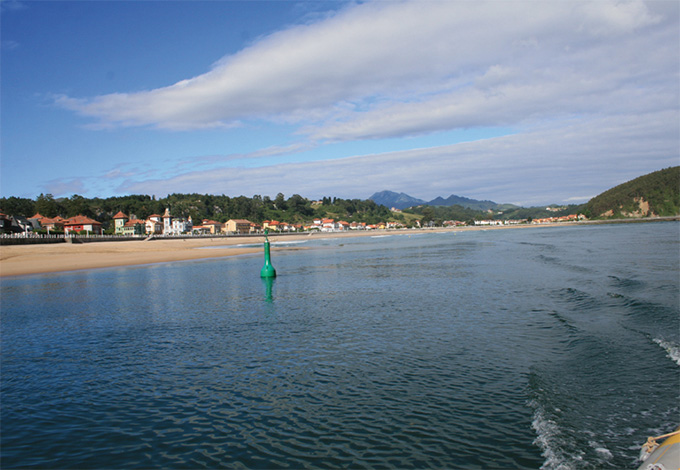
[654, 195]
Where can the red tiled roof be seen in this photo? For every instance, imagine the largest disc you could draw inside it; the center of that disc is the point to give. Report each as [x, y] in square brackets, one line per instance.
[120, 215]
[81, 220]
[49, 221]
[133, 222]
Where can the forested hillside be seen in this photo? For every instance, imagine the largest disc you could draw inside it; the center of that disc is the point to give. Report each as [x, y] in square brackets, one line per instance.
[655, 194]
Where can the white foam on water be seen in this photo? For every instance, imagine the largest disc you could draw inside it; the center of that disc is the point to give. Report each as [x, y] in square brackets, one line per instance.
[221, 247]
[292, 242]
[672, 350]
[601, 450]
[548, 440]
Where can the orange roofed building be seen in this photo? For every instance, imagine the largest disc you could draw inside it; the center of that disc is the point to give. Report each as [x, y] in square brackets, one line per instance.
[80, 223]
[120, 219]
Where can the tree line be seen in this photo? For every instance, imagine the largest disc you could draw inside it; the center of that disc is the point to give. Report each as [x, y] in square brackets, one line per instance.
[295, 209]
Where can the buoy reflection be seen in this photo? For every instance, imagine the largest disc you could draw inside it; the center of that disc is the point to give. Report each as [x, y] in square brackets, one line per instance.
[268, 288]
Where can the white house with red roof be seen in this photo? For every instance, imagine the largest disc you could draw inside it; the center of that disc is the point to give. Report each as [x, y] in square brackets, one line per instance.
[328, 225]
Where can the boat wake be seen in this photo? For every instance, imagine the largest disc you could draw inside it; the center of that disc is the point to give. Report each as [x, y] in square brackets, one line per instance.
[548, 438]
[672, 349]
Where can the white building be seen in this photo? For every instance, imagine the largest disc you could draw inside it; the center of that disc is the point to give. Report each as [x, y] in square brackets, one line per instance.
[175, 225]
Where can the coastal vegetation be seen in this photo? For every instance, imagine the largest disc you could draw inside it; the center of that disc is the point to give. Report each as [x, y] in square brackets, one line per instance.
[655, 194]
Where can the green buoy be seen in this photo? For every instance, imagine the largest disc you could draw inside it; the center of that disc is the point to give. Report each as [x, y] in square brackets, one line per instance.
[267, 270]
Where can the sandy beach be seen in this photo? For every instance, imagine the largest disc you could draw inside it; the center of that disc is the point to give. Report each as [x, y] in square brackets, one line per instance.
[17, 260]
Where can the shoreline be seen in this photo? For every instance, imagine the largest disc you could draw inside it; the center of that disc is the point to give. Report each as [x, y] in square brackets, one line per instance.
[23, 260]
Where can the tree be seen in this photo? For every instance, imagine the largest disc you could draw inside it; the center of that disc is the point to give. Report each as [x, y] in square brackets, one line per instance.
[299, 206]
[77, 205]
[17, 206]
[428, 215]
[47, 206]
[280, 202]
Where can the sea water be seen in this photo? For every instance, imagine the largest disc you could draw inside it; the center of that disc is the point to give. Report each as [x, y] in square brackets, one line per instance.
[551, 348]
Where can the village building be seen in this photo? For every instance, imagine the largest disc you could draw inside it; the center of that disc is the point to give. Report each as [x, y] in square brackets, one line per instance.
[5, 222]
[272, 225]
[119, 221]
[54, 223]
[240, 226]
[153, 226]
[175, 225]
[81, 223]
[208, 227]
[328, 225]
[134, 227]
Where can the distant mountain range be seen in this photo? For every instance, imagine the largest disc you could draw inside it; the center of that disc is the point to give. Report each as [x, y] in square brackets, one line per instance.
[397, 200]
[403, 200]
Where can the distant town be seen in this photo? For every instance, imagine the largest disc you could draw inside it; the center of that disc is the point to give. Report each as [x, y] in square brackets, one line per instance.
[168, 225]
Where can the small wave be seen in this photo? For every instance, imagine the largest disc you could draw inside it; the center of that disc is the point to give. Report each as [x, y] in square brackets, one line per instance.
[625, 283]
[672, 350]
[602, 451]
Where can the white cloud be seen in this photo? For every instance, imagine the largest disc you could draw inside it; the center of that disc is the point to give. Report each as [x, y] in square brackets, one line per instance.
[393, 68]
[64, 186]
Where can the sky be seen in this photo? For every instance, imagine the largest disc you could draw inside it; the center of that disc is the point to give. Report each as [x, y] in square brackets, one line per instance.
[524, 102]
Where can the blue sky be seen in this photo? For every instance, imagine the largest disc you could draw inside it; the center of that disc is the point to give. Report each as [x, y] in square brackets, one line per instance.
[519, 102]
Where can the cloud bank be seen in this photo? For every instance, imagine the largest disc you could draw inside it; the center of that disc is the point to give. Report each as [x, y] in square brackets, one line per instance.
[394, 68]
[585, 160]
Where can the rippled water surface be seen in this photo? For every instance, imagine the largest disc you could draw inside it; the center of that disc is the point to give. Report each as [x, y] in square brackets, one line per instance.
[526, 348]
